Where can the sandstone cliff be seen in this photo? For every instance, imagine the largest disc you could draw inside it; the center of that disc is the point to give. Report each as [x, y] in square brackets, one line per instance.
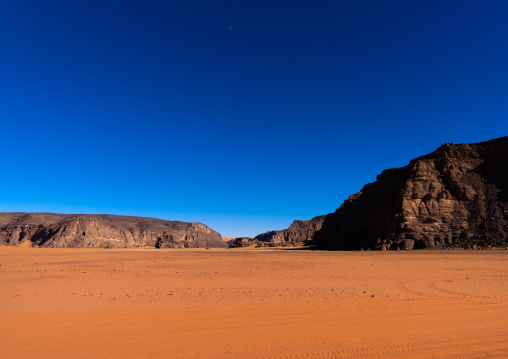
[298, 231]
[456, 196]
[103, 231]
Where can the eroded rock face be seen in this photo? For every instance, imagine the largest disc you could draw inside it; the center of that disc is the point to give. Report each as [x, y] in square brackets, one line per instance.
[456, 196]
[103, 231]
[298, 232]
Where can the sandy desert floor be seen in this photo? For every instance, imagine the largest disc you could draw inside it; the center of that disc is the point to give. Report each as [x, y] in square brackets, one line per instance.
[240, 303]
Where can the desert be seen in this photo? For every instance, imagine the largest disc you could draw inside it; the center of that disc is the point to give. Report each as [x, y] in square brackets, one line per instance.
[252, 303]
[254, 179]
[427, 280]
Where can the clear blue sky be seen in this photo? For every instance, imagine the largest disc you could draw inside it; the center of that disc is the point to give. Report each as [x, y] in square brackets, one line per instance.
[243, 115]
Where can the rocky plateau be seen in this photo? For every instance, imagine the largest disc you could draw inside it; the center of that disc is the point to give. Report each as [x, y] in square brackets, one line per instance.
[103, 231]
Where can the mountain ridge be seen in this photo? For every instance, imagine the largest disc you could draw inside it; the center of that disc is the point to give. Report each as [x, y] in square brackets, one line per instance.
[59, 230]
[299, 231]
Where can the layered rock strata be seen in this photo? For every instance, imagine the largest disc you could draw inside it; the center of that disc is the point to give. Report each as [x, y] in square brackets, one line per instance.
[103, 231]
[456, 196]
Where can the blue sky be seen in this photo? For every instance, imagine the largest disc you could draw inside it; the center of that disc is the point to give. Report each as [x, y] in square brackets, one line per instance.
[243, 115]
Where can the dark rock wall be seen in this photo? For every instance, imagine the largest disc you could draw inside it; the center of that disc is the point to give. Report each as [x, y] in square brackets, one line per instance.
[456, 196]
[103, 231]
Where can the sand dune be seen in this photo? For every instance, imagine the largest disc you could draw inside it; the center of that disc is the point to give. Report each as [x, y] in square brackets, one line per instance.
[81, 303]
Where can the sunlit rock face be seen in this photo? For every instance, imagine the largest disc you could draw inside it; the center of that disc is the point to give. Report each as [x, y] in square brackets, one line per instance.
[103, 231]
[298, 232]
[456, 196]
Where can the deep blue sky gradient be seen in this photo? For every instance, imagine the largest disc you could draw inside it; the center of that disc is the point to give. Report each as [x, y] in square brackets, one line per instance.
[243, 115]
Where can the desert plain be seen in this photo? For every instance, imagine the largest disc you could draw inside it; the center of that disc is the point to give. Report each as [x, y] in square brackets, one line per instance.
[251, 303]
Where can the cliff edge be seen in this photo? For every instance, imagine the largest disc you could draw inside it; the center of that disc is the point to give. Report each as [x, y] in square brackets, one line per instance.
[456, 196]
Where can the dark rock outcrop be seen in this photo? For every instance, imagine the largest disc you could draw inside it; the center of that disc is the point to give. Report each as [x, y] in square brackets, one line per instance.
[298, 232]
[228, 240]
[456, 196]
[103, 231]
[243, 242]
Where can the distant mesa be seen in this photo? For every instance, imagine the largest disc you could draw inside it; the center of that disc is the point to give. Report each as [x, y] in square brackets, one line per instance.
[456, 196]
[54, 230]
[228, 240]
[243, 242]
[298, 233]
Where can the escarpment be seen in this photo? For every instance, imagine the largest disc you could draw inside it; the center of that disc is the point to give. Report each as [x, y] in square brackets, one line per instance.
[456, 196]
[103, 231]
[298, 232]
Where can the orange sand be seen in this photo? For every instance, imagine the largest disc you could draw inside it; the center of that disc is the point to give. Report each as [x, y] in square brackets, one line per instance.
[244, 303]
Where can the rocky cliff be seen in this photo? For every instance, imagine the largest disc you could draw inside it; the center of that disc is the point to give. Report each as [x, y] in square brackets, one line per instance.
[298, 231]
[456, 196]
[103, 231]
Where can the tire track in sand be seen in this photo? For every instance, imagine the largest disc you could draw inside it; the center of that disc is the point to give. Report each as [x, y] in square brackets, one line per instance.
[473, 347]
[429, 287]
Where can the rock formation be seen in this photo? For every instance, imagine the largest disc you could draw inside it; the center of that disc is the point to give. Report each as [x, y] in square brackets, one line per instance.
[298, 232]
[243, 242]
[228, 240]
[456, 196]
[103, 231]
